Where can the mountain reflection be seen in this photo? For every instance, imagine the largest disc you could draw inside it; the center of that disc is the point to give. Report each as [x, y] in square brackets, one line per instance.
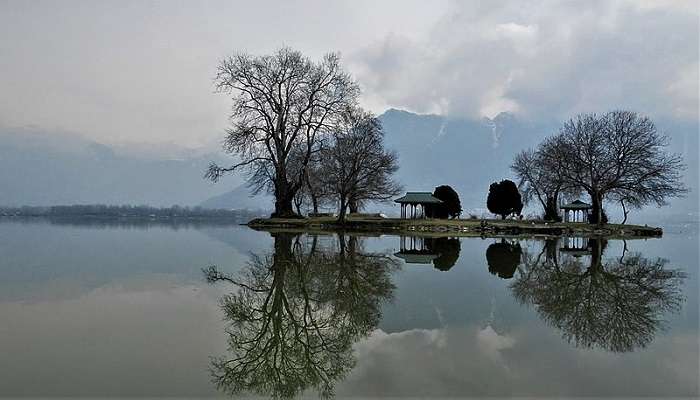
[616, 304]
[297, 312]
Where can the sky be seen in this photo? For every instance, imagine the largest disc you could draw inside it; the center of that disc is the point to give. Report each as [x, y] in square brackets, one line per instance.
[141, 72]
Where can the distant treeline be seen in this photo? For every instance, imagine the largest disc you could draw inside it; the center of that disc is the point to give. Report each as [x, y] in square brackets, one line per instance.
[125, 211]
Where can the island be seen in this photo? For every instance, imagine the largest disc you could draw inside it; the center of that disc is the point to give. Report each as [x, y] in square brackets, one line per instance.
[368, 223]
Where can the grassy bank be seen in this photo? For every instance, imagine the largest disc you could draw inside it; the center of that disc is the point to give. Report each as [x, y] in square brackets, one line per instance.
[455, 227]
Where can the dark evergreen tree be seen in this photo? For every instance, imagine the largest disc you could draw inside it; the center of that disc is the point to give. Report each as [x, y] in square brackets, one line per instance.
[451, 207]
[504, 199]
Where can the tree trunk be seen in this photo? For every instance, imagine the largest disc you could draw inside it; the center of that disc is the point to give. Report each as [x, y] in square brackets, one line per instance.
[503, 216]
[314, 202]
[597, 210]
[352, 204]
[341, 211]
[624, 211]
[312, 194]
[551, 209]
[284, 198]
[283, 208]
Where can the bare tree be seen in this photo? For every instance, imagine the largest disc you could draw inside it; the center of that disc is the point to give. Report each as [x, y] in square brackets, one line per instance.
[283, 106]
[313, 193]
[539, 174]
[533, 183]
[616, 156]
[356, 166]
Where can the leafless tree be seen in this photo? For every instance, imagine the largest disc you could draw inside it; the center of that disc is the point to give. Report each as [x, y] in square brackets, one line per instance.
[539, 178]
[619, 155]
[283, 106]
[313, 194]
[356, 167]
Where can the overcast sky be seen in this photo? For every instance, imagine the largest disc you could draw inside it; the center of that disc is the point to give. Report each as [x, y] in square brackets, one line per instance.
[142, 71]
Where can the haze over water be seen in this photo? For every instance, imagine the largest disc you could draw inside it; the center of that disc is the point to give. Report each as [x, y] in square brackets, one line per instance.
[126, 311]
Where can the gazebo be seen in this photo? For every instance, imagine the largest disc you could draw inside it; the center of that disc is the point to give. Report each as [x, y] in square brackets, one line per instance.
[413, 204]
[576, 211]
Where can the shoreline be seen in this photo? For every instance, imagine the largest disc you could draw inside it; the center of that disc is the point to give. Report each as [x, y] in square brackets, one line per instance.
[455, 227]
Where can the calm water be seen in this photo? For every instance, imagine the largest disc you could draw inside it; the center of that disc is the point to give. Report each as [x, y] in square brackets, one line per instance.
[201, 311]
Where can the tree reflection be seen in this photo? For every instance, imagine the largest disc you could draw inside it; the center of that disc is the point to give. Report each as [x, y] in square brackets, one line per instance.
[503, 258]
[447, 249]
[617, 305]
[297, 312]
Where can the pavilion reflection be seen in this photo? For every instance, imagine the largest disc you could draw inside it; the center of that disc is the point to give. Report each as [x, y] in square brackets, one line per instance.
[613, 304]
[441, 252]
[296, 313]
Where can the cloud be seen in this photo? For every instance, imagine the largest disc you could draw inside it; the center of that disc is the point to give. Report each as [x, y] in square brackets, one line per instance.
[136, 71]
[542, 59]
[142, 71]
[530, 360]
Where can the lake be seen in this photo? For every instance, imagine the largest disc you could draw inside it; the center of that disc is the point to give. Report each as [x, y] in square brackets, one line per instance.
[198, 310]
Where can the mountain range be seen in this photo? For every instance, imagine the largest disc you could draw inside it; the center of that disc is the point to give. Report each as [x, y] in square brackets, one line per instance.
[41, 168]
[44, 168]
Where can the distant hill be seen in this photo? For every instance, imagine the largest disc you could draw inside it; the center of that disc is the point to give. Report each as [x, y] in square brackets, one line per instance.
[466, 154]
[41, 168]
[470, 154]
[240, 199]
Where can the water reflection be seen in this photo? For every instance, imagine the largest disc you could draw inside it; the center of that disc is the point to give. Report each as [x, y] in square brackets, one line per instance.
[503, 258]
[442, 252]
[615, 304]
[297, 312]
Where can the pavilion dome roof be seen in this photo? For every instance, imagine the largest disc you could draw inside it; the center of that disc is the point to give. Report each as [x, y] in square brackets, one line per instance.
[418, 198]
[577, 205]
